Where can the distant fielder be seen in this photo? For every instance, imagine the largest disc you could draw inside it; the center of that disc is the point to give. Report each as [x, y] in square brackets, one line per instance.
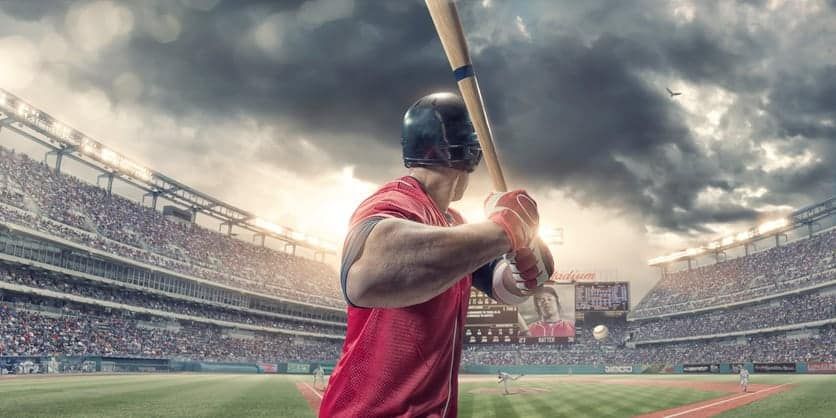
[319, 377]
[504, 378]
[744, 378]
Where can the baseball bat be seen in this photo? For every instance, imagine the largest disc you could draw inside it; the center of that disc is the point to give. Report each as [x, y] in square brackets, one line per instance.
[446, 20]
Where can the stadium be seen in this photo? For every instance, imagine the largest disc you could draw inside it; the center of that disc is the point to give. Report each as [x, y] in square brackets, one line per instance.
[127, 292]
[94, 284]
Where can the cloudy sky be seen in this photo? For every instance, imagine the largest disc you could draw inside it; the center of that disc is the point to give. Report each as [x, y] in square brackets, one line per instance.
[292, 109]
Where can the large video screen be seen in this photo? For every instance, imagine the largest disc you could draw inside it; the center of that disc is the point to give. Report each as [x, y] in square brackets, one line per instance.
[548, 317]
[596, 297]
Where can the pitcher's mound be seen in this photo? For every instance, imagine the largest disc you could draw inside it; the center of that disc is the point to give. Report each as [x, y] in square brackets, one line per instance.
[514, 391]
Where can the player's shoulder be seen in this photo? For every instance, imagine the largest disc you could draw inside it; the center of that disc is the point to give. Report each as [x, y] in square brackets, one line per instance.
[402, 198]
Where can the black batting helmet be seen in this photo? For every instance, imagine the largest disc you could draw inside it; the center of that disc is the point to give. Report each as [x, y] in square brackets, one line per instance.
[437, 132]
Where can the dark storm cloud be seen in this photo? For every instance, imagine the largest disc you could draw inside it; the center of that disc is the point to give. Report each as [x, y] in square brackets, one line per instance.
[348, 78]
[572, 107]
[30, 10]
[580, 117]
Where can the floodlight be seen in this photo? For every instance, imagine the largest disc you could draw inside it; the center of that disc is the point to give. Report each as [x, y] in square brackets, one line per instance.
[693, 251]
[772, 225]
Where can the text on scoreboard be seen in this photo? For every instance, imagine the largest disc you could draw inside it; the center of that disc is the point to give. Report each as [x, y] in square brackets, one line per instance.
[590, 297]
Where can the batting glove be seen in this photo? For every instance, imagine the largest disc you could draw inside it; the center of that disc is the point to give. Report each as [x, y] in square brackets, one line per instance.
[531, 267]
[516, 212]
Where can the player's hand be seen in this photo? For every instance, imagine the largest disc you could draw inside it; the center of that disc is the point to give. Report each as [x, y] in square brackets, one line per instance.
[516, 212]
[531, 267]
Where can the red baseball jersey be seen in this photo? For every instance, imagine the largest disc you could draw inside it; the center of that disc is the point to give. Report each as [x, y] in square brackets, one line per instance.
[401, 361]
[552, 329]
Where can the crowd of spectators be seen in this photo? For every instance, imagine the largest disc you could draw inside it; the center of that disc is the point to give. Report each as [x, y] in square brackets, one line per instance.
[79, 287]
[83, 330]
[818, 346]
[33, 196]
[791, 266]
[64, 206]
[777, 312]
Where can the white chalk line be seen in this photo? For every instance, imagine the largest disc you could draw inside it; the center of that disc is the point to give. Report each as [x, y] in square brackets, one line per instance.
[724, 401]
[314, 391]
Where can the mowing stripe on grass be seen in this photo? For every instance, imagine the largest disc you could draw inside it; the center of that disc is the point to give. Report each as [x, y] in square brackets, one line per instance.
[724, 401]
[502, 407]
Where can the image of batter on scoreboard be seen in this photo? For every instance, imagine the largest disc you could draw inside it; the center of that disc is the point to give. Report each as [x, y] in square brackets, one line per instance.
[549, 313]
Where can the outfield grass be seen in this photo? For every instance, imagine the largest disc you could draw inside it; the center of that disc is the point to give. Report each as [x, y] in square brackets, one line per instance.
[201, 395]
[811, 396]
[574, 399]
[153, 396]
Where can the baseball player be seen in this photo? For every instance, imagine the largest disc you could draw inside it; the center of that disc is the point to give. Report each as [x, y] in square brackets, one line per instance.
[504, 378]
[547, 304]
[744, 378]
[408, 263]
[319, 376]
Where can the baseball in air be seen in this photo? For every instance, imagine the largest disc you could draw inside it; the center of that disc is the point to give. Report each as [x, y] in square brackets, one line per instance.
[600, 332]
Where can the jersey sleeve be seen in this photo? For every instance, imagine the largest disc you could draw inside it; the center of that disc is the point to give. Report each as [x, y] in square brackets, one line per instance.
[365, 218]
[389, 205]
[483, 278]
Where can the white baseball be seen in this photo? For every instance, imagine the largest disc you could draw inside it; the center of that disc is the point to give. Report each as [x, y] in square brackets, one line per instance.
[600, 332]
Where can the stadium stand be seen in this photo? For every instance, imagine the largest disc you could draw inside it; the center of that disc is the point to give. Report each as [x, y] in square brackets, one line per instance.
[34, 196]
[799, 264]
[797, 309]
[84, 273]
[776, 347]
[776, 305]
[33, 326]
[64, 284]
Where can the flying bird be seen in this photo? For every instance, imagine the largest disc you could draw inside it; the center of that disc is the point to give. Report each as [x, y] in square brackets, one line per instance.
[673, 93]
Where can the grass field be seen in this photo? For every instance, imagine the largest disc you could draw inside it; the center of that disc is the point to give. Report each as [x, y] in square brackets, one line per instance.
[199, 395]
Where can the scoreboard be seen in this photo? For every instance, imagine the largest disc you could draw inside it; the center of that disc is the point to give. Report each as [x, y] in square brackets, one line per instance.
[552, 321]
[488, 322]
[549, 316]
[596, 297]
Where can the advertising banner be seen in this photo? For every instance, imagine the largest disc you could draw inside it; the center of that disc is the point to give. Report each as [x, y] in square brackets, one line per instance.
[298, 368]
[774, 367]
[268, 367]
[700, 368]
[618, 369]
[657, 368]
[821, 367]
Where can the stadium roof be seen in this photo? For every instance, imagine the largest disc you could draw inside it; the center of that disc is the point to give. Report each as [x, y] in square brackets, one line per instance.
[804, 216]
[22, 118]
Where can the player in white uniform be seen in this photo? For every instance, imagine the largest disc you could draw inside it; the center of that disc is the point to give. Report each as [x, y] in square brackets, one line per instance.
[504, 378]
[319, 376]
[744, 379]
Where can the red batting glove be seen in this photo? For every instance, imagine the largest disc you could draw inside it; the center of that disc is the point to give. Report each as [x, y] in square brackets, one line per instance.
[516, 212]
[531, 267]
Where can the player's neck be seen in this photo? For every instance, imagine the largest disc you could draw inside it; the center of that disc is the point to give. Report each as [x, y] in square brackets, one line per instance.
[436, 183]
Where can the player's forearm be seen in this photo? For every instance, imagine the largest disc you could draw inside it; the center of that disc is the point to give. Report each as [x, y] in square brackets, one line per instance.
[406, 263]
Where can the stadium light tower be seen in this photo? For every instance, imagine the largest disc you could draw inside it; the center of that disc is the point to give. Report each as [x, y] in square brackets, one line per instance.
[551, 236]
